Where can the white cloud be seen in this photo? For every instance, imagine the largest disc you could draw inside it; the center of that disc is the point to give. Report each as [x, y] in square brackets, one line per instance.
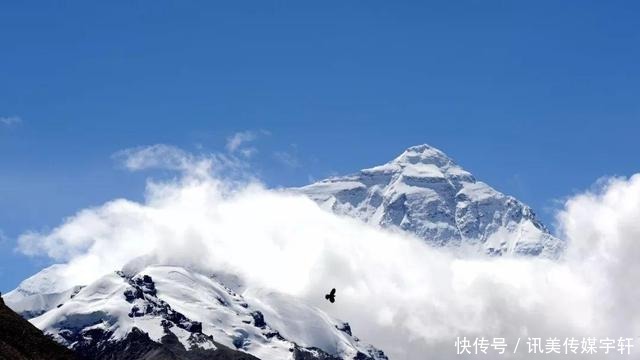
[237, 143]
[603, 227]
[236, 140]
[403, 296]
[167, 157]
[159, 156]
[10, 120]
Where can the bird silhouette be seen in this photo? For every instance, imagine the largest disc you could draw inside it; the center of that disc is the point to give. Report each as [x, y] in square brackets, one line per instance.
[331, 296]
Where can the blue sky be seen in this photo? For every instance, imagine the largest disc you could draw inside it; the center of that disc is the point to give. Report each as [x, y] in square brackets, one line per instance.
[538, 99]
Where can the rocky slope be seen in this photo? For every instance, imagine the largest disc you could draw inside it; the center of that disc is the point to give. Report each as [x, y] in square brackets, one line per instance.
[20, 340]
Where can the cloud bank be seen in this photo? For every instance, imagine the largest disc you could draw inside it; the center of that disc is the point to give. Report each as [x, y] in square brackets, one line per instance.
[398, 293]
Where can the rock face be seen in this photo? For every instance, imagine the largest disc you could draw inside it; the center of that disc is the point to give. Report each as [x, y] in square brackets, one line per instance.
[170, 312]
[426, 193]
[21, 340]
[137, 345]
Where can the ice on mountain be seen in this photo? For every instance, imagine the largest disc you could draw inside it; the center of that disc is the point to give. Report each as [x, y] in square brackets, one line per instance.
[424, 192]
[198, 310]
[41, 292]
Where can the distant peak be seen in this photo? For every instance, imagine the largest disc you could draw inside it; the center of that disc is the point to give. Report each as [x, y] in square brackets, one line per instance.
[421, 148]
[424, 154]
[414, 160]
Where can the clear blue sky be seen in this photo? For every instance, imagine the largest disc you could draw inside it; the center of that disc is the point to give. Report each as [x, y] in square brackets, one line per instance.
[536, 98]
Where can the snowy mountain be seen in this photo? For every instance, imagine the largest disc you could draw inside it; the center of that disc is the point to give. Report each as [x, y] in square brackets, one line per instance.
[148, 310]
[41, 292]
[191, 314]
[426, 193]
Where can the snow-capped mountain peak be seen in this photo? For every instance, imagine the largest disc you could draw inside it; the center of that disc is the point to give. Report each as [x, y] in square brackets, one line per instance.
[424, 192]
[422, 161]
[41, 292]
[424, 154]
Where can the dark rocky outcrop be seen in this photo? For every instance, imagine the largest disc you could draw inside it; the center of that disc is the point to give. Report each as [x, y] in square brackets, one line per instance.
[137, 345]
[96, 344]
[20, 340]
[313, 353]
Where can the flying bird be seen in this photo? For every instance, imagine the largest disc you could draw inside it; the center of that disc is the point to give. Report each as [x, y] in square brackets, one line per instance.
[331, 296]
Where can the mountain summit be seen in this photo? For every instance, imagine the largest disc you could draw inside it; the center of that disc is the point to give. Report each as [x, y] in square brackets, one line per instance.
[425, 193]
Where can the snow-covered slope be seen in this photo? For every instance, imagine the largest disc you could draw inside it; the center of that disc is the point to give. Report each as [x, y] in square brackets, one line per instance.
[424, 192]
[41, 292]
[200, 311]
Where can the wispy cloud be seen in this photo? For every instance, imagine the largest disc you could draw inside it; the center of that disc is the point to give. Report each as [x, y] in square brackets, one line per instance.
[10, 120]
[158, 156]
[236, 140]
[168, 157]
[237, 143]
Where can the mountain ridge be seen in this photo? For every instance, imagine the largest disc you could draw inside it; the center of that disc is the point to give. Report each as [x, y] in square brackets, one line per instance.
[424, 192]
[174, 311]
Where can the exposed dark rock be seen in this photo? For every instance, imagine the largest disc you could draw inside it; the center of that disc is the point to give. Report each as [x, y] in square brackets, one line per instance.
[258, 319]
[20, 340]
[345, 327]
[144, 294]
[96, 343]
[312, 353]
[135, 312]
[138, 346]
[379, 354]
[134, 293]
[272, 333]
